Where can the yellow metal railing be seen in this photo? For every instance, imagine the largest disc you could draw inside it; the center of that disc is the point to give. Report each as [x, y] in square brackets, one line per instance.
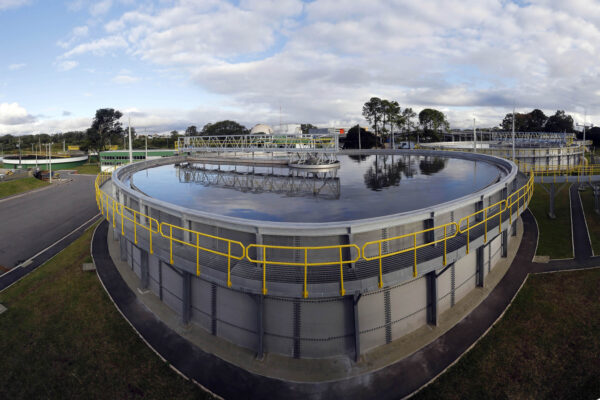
[482, 217]
[196, 245]
[445, 229]
[312, 256]
[304, 250]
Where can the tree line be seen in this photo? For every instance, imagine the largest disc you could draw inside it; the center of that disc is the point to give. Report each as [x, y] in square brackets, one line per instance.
[386, 118]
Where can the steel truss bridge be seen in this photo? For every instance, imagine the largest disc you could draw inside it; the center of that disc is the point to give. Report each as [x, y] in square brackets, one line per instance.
[504, 136]
[300, 183]
[301, 149]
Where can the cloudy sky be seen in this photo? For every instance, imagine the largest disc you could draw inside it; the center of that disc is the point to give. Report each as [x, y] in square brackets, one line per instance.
[176, 63]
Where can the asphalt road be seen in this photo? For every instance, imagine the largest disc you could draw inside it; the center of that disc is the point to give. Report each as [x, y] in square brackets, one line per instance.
[33, 221]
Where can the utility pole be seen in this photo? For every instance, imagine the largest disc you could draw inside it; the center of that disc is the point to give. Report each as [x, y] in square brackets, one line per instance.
[513, 134]
[146, 146]
[474, 137]
[130, 150]
[19, 152]
[584, 126]
[50, 159]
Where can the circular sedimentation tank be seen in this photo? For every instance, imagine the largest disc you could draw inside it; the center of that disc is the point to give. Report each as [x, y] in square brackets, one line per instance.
[42, 162]
[530, 154]
[315, 263]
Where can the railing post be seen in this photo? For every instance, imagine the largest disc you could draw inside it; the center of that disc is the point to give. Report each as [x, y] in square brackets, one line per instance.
[380, 268]
[228, 264]
[305, 293]
[264, 290]
[415, 247]
[171, 242]
[445, 240]
[342, 291]
[468, 235]
[197, 254]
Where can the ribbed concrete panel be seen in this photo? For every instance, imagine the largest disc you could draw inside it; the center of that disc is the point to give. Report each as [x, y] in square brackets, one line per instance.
[408, 307]
[372, 320]
[236, 316]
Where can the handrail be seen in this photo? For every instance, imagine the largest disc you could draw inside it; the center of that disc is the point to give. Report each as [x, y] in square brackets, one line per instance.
[414, 247]
[305, 249]
[197, 246]
[484, 220]
[106, 204]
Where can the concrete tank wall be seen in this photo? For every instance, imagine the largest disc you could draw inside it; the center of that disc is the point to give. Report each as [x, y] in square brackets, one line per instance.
[326, 324]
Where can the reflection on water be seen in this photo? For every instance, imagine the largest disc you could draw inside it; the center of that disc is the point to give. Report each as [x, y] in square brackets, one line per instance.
[375, 186]
[252, 179]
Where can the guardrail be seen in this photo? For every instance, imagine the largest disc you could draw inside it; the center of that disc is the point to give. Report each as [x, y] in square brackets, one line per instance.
[334, 254]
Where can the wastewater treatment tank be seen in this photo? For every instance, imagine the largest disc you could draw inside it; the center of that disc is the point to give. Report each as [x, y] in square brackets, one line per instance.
[303, 261]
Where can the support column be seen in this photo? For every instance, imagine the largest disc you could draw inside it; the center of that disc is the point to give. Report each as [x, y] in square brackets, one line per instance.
[432, 298]
[186, 297]
[480, 271]
[479, 207]
[427, 224]
[213, 309]
[297, 316]
[355, 300]
[260, 302]
[145, 270]
[123, 248]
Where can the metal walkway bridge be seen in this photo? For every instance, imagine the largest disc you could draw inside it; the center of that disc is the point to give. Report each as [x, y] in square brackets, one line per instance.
[302, 149]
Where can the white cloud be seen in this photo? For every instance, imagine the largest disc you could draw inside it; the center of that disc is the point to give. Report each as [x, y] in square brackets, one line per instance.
[16, 67]
[66, 65]
[6, 4]
[100, 8]
[97, 47]
[322, 60]
[123, 79]
[14, 114]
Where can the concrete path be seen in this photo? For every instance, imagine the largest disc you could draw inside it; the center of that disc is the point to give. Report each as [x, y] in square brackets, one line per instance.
[581, 238]
[394, 381]
[37, 225]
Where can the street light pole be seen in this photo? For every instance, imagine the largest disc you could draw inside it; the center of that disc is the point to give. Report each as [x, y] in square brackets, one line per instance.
[474, 137]
[130, 150]
[50, 159]
[513, 134]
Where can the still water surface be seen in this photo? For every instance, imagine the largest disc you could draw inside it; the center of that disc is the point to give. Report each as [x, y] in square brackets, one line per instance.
[366, 187]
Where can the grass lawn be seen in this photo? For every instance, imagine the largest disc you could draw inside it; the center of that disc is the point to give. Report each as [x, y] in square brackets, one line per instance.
[554, 234]
[90, 169]
[545, 347]
[592, 219]
[9, 188]
[62, 338]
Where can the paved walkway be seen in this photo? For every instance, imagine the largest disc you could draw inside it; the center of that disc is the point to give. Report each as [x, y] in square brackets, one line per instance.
[37, 225]
[394, 381]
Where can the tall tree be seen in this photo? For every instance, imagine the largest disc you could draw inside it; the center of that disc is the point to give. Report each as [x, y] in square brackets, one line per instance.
[226, 127]
[521, 122]
[433, 122]
[373, 112]
[559, 122]
[105, 128]
[191, 131]
[305, 128]
[391, 112]
[367, 139]
[537, 121]
[404, 121]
